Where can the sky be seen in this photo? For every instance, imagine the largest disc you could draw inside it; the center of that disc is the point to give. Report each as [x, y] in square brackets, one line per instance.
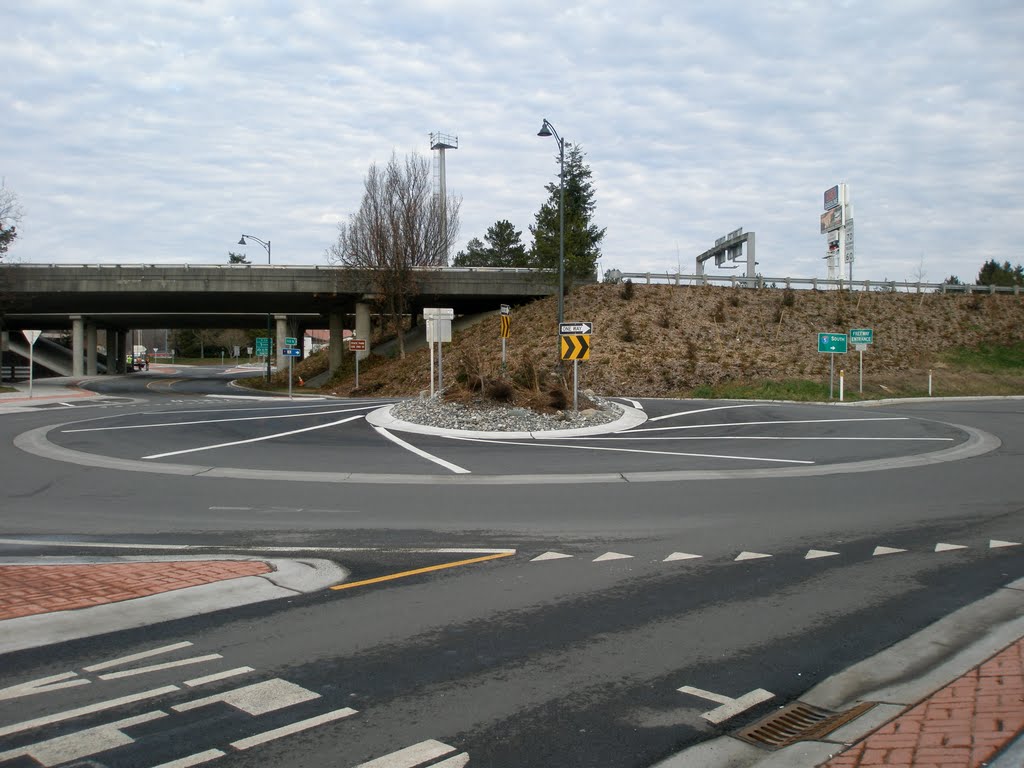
[159, 132]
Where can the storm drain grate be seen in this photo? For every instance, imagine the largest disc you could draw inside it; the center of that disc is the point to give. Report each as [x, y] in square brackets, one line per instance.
[798, 722]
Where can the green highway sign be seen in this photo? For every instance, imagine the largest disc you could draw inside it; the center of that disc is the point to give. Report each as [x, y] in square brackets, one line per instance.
[262, 345]
[861, 335]
[291, 341]
[832, 342]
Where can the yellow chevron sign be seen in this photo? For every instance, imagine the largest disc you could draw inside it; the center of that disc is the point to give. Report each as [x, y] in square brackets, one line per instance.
[576, 347]
[506, 327]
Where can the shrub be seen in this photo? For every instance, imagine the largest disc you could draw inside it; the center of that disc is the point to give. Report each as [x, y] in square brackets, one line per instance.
[626, 291]
[788, 297]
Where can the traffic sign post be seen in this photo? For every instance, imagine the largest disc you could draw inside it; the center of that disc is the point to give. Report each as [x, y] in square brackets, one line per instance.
[357, 346]
[860, 338]
[439, 329]
[575, 345]
[506, 330]
[833, 344]
[30, 337]
[290, 352]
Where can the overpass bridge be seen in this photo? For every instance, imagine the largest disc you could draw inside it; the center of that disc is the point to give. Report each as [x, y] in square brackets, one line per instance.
[118, 298]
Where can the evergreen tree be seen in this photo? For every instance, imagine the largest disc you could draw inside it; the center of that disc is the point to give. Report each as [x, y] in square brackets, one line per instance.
[994, 273]
[582, 237]
[504, 248]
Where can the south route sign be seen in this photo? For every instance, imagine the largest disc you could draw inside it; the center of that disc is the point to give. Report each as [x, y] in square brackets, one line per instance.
[575, 329]
[832, 342]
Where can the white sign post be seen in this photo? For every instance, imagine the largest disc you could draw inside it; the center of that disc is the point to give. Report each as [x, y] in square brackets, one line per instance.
[31, 337]
[439, 329]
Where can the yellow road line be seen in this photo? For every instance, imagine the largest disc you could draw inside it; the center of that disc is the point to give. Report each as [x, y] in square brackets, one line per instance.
[428, 569]
[167, 384]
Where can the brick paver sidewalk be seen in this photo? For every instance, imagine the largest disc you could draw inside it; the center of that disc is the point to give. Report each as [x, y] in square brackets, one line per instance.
[961, 726]
[26, 590]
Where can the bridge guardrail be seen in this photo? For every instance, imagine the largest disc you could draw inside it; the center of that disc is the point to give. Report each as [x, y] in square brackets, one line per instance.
[814, 283]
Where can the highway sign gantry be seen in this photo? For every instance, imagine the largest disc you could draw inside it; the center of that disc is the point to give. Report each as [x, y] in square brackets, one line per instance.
[576, 347]
[832, 342]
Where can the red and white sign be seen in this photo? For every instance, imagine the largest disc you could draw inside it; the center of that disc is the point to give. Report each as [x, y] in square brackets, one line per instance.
[357, 345]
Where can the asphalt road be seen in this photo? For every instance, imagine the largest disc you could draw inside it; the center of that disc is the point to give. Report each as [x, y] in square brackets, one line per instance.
[723, 558]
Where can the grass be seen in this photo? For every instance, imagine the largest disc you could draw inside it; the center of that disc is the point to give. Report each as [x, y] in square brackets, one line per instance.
[988, 358]
[790, 389]
[8, 389]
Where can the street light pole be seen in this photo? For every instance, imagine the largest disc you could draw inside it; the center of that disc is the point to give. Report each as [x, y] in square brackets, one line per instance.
[270, 336]
[547, 129]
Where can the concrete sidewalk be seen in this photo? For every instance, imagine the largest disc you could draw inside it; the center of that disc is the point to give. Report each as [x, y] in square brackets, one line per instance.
[44, 391]
[47, 600]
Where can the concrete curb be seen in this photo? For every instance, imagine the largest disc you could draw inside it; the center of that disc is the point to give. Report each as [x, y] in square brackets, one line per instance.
[896, 679]
[290, 577]
[631, 417]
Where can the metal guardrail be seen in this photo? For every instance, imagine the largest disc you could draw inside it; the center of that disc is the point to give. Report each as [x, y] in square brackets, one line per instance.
[325, 267]
[814, 283]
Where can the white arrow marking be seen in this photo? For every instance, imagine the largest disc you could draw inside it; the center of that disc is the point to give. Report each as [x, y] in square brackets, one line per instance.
[83, 743]
[886, 551]
[729, 707]
[611, 556]
[996, 544]
[42, 685]
[680, 556]
[549, 556]
[814, 554]
[750, 556]
[949, 547]
[412, 756]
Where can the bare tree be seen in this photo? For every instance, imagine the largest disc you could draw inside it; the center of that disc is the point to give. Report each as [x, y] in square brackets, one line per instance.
[400, 226]
[10, 216]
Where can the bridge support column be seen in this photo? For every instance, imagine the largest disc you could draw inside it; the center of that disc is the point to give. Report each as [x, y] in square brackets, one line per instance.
[336, 342]
[281, 331]
[91, 369]
[120, 351]
[363, 327]
[77, 345]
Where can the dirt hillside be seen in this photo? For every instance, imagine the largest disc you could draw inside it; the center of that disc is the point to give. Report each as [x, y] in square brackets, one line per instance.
[664, 340]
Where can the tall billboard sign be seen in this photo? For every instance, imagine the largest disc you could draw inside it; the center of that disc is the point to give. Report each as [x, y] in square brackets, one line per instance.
[831, 197]
[837, 226]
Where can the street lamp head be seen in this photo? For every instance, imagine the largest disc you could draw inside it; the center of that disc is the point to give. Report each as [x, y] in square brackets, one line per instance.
[545, 129]
[241, 240]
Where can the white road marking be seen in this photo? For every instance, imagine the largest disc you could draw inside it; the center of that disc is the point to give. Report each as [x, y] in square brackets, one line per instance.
[627, 450]
[629, 436]
[635, 403]
[750, 556]
[458, 761]
[73, 746]
[255, 699]
[814, 554]
[288, 730]
[87, 710]
[680, 556]
[230, 509]
[886, 551]
[197, 759]
[43, 685]
[702, 410]
[137, 656]
[549, 556]
[423, 454]
[763, 423]
[949, 547]
[996, 544]
[729, 707]
[197, 681]
[254, 439]
[412, 756]
[91, 544]
[611, 556]
[219, 421]
[159, 667]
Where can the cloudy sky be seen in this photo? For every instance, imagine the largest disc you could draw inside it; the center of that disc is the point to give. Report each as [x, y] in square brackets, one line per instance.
[158, 132]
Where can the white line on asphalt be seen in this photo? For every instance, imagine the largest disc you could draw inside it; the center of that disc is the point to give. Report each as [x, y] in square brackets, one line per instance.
[43, 685]
[90, 741]
[101, 706]
[635, 403]
[703, 410]
[288, 730]
[89, 544]
[299, 548]
[219, 421]
[628, 436]
[886, 551]
[255, 699]
[949, 547]
[630, 450]
[458, 761]
[421, 453]
[762, 423]
[729, 707]
[253, 439]
[611, 556]
[261, 409]
[815, 554]
[680, 556]
[159, 667]
[197, 681]
[412, 756]
[549, 556]
[750, 556]
[230, 509]
[996, 544]
[136, 656]
[197, 759]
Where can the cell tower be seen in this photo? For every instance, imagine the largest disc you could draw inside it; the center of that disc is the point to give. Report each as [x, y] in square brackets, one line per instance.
[440, 142]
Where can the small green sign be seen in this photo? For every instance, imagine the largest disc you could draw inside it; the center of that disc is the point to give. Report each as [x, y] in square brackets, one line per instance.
[861, 335]
[291, 341]
[262, 345]
[832, 342]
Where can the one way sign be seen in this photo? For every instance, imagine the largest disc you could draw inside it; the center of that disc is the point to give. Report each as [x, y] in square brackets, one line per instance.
[572, 329]
[576, 347]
